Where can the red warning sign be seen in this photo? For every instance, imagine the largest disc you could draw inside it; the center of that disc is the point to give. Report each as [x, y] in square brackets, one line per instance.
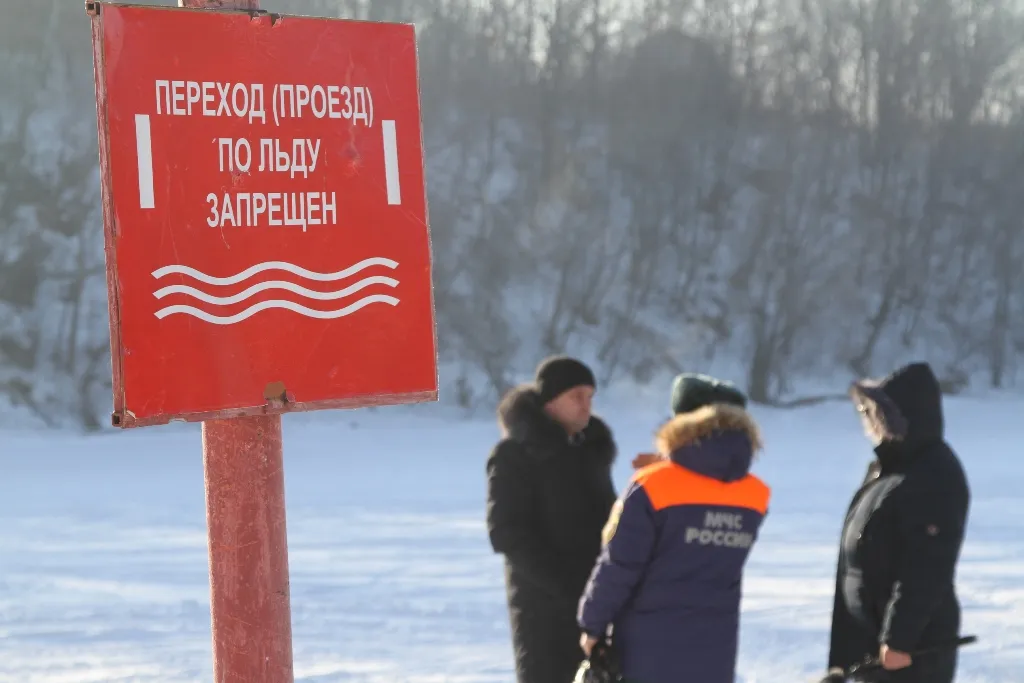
[265, 213]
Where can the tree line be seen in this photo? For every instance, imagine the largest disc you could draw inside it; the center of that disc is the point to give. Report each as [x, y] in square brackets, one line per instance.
[804, 190]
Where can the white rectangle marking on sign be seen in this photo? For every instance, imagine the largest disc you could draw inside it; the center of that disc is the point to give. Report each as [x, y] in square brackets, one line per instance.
[391, 163]
[144, 149]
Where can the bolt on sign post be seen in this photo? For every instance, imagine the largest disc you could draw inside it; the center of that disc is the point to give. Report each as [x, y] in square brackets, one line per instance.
[267, 252]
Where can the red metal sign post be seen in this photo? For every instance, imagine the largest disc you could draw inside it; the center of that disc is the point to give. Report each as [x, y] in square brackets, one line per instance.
[267, 252]
[245, 516]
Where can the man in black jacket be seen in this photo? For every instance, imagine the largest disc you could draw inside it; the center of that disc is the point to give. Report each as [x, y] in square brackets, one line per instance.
[549, 494]
[902, 537]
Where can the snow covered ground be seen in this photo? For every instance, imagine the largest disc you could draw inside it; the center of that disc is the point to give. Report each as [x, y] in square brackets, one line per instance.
[103, 556]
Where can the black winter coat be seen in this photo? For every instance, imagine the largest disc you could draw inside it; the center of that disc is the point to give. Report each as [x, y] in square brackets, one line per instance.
[548, 498]
[903, 533]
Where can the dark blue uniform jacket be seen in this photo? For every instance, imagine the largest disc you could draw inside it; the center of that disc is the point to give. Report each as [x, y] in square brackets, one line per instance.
[670, 573]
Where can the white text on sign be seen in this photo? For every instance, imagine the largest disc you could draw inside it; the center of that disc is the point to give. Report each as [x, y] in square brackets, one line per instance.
[237, 155]
[288, 101]
[256, 209]
[298, 157]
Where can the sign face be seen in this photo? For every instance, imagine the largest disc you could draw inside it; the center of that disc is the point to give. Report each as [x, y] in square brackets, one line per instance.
[265, 213]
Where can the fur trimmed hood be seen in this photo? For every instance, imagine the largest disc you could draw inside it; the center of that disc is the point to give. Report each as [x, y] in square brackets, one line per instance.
[522, 418]
[717, 441]
[905, 406]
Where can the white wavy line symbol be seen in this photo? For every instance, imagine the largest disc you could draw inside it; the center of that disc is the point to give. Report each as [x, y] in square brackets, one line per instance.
[275, 284]
[198, 294]
[275, 265]
[275, 303]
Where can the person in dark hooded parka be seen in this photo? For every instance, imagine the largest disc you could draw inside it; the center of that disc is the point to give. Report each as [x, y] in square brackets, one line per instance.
[549, 494]
[669, 577]
[902, 536]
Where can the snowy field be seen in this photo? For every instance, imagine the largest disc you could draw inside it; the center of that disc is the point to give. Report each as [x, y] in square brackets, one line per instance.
[103, 555]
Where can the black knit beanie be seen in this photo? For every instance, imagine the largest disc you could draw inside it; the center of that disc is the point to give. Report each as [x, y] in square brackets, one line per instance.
[559, 374]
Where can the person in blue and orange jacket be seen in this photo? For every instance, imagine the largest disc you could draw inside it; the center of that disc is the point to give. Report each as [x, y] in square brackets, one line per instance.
[668, 580]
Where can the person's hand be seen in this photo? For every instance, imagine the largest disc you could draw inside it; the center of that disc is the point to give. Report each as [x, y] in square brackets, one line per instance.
[893, 660]
[587, 643]
[645, 459]
[834, 675]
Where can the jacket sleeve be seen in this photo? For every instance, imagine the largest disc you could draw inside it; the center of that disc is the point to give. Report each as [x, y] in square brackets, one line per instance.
[931, 533]
[621, 564]
[849, 642]
[509, 524]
